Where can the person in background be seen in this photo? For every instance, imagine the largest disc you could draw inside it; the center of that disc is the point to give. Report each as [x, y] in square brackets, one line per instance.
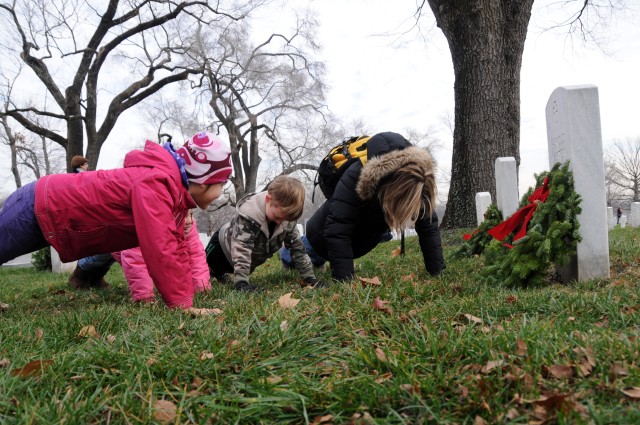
[262, 224]
[619, 214]
[79, 164]
[396, 186]
[143, 204]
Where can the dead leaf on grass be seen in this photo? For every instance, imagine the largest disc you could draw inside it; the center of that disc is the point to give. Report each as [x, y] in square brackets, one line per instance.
[4, 363]
[521, 348]
[410, 276]
[511, 299]
[88, 331]
[286, 301]
[479, 421]
[164, 411]
[284, 325]
[374, 281]
[473, 319]
[33, 368]
[381, 305]
[633, 392]
[206, 355]
[381, 355]
[491, 365]
[396, 252]
[4, 307]
[322, 419]
[274, 379]
[561, 371]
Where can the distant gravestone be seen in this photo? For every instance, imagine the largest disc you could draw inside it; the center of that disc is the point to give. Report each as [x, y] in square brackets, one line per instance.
[58, 266]
[483, 200]
[635, 214]
[623, 221]
[574, 133]
[506, 186]
[611, 220]
[204, 238]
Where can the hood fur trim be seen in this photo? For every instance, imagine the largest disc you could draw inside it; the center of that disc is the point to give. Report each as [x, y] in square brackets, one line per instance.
[376, 169]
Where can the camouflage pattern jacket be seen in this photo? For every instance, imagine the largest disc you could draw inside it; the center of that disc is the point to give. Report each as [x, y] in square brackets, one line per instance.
[246, 242]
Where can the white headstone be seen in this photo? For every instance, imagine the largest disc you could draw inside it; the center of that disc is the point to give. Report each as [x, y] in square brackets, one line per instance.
[635, 214]
[611, 221]
[506, 186]
[300, 228]
[204, 238]
[574, 133]
[623, 221]
[58, 266]
[483, 200]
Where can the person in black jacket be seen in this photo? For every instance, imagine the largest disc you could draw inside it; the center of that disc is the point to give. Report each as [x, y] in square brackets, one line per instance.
[395, 186]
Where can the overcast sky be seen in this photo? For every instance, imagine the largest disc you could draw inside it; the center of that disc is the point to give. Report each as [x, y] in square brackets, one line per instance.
[395, 82]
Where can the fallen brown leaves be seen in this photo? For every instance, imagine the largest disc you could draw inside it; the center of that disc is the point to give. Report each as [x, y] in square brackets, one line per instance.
[374, 281]
[32, 369]
[381, 305]
[286, 301]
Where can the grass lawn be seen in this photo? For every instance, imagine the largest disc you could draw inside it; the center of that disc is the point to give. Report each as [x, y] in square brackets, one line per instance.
[412, 349]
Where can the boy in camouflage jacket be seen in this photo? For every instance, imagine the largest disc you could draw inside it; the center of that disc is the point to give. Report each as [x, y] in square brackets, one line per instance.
[263, 223]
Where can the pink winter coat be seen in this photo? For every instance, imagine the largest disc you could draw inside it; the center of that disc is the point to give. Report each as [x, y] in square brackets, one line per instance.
[141, 284]
[143, 204]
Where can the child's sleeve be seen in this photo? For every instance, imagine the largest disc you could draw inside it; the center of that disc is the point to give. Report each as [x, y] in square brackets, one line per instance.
[198, 261]
[137, 275]
[430, 244]
[301, 260]
[244, 234]
[162, 240]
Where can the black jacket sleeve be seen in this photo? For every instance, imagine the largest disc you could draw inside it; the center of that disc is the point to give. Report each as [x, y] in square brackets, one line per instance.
[339, 227]
[430, 243]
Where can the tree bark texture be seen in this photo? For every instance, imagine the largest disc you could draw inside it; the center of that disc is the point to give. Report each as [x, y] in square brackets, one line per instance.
[486, 39]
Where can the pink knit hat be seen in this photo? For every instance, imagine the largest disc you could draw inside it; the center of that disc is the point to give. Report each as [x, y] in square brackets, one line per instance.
[207, 159]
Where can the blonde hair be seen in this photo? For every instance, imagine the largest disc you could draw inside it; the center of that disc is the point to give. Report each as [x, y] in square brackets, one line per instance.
[404, 193]
[288, 194]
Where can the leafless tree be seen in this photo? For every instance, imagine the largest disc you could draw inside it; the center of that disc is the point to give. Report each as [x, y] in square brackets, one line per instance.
[97, 59]
[486, 40]
[622, 171]
[267, 96]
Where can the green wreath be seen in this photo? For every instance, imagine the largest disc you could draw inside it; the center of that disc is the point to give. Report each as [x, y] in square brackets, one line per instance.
[552, 234]
[476, 241]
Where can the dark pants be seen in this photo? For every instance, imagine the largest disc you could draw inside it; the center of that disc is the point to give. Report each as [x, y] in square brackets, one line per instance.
[217, 261]
[19, 230]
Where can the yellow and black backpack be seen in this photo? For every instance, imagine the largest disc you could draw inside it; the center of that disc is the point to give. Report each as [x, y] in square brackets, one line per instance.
[338, 160]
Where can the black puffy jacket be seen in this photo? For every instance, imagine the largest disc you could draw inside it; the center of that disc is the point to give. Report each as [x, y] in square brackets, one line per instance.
[351, 223]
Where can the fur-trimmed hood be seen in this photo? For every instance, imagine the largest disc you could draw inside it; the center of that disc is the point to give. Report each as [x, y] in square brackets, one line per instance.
[377, 169]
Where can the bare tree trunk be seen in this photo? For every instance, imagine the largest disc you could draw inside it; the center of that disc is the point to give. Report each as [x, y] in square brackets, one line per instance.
[45, 156]
[486, 39]
[14, 152]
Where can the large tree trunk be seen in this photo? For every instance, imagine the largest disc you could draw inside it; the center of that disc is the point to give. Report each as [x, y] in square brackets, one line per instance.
[486, 39]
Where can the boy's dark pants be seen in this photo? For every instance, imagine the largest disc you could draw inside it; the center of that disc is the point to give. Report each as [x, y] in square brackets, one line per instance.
[217, 261]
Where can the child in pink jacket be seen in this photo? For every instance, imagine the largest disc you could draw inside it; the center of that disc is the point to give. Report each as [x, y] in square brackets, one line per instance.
[137, 275]
[142, 204]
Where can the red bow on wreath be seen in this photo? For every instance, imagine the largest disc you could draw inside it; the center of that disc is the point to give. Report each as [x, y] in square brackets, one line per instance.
[522, 216]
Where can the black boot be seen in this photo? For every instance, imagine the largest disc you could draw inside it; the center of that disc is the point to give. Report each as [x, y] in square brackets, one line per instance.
[79, 279]
[96, 277]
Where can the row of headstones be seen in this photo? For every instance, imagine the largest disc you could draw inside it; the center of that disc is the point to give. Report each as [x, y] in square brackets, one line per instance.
[633, 220]
[573, 134]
